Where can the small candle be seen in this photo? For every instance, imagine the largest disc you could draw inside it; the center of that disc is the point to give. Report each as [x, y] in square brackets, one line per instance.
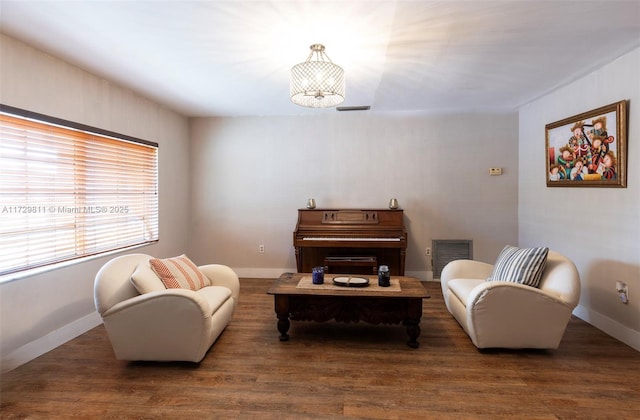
[317, 275]
[384, 277]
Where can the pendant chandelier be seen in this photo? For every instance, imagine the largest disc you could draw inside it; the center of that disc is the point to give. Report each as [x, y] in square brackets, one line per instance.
[317, 83]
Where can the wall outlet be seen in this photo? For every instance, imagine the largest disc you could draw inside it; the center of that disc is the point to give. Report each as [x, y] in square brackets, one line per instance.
[495, 171]
[427, 251]
[261, 249]
[623, 292]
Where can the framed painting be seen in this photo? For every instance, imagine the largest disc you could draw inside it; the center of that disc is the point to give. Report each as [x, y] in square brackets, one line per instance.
[589, 149]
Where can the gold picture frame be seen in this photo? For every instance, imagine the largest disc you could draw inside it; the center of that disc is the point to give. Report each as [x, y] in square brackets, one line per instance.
[588, 149]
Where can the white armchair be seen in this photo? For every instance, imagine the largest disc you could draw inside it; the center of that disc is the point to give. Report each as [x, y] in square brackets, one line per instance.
[502, 314]
[164, 324]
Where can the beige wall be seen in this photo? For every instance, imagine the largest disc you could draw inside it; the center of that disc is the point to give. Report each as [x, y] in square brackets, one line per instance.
[39, 312]
[251, 175]
[599, 228]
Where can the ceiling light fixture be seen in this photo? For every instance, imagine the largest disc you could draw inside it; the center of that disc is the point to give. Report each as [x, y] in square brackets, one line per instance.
[318, 83]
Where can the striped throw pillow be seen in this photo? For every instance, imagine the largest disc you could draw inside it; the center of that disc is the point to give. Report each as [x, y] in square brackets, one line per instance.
[520, 265]
[179, 273]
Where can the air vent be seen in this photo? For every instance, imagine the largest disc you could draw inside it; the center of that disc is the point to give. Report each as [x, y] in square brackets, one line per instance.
[447, 250]
[353, 108]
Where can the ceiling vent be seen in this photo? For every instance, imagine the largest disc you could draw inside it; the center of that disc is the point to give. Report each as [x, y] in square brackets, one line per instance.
[353, 108]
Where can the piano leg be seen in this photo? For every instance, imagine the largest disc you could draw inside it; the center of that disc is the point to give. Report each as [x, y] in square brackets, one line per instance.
[282, 312]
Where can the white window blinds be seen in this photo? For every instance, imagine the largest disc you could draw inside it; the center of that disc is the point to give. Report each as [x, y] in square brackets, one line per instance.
[72, 191]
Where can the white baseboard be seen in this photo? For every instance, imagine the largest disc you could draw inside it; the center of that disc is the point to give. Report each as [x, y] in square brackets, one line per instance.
[420, 275]
[262, 273]
[49, 342]
[609, 326]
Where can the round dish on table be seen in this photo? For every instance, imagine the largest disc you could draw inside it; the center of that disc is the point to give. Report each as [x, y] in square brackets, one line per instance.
[351, 281]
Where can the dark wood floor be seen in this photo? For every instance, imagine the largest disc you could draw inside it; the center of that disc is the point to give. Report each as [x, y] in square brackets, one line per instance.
[333, 371]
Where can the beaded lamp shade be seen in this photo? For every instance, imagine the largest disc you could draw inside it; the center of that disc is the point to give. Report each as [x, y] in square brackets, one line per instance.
[317, 83]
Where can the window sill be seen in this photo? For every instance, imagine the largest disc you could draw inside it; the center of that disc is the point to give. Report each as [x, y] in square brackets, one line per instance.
[8, 278]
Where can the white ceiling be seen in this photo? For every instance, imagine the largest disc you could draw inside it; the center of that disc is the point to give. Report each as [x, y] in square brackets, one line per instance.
[232, 58]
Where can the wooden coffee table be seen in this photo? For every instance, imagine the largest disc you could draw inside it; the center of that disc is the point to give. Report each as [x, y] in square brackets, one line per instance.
[372, 304]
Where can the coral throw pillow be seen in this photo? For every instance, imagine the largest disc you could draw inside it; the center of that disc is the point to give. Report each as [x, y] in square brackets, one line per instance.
[179, 273]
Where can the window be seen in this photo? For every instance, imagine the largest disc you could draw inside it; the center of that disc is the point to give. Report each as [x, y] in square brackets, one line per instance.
[69, 191]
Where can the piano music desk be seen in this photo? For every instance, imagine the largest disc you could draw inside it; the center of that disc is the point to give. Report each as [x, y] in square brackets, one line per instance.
[349, 304]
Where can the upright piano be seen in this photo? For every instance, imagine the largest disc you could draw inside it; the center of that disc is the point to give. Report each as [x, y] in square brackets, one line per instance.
[353, 236]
